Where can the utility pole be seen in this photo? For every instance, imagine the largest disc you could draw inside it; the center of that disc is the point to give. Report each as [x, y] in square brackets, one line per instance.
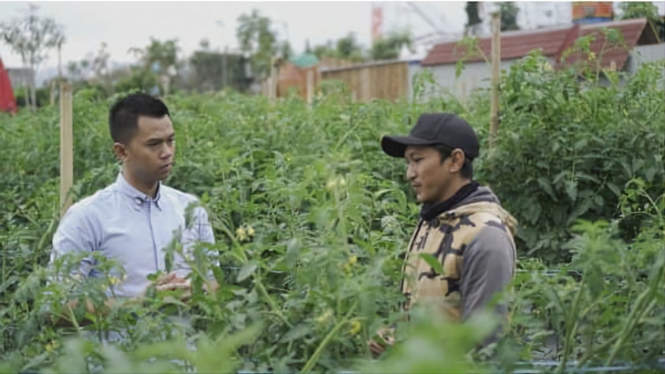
[224, 79]
[496, 72]
[221, 24]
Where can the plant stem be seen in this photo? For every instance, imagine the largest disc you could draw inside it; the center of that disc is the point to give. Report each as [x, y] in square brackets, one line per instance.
[632, 320]
[572, 328]
[257, 279]
[315, 356]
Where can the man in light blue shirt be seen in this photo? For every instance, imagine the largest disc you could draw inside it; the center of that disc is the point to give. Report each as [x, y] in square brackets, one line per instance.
[134, 219]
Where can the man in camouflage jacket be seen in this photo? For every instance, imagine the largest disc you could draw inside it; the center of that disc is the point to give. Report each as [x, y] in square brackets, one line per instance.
[461, 223]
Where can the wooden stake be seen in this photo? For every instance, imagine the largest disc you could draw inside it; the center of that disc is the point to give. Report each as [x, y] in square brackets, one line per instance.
[66, 147]
[52, 93]
[496, 76]
[310, 86]
[273, 79]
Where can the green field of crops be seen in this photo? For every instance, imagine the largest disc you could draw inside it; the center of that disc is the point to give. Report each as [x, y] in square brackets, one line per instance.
[312, 219]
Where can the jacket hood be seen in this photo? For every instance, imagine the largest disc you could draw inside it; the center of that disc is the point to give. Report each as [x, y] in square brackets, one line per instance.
[483, 200]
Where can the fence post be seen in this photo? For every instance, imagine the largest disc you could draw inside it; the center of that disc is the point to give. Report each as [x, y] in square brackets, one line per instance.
[496, 76]
[365, 91]
[66, 147]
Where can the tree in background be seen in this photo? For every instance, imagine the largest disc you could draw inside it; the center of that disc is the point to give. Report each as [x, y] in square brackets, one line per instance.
[161, 59]
[325, 50]
[349, 49]
[285, 50]
[211, 71]
[473, 17]
[644, 9]
[257, 39]
[32, 37]
[101, 68]
[390, 47]
[508, 13]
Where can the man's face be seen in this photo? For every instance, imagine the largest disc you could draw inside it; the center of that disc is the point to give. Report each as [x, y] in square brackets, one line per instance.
[150, 153]
[429, 177]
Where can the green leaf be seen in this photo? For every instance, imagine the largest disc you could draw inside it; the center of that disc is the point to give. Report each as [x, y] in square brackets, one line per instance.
[571, 190]
[581, 144]
[599, 201]
[297, 332]
[433, 262]
[560, 176]
[626, 167]
[587, 177]
[247, 270]
[614, 188]
[547, 186]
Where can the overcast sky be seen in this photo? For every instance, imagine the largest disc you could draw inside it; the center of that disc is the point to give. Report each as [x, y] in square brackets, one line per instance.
[127, 24]
[123, 25]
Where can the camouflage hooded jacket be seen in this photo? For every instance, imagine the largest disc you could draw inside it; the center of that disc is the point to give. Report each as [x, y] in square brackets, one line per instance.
[474, 243]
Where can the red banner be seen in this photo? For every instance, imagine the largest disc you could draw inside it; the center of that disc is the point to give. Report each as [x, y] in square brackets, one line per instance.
[377, 22]
[7, 100]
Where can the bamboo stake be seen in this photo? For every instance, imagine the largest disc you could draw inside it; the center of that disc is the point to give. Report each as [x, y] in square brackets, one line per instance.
[274, 79]
[66, 147]
[496, 61]
[310, 86]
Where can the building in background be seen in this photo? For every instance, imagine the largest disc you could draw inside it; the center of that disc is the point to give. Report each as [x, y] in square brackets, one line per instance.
[585, 12]
[20, 77]
[641, 46]
[432, 23]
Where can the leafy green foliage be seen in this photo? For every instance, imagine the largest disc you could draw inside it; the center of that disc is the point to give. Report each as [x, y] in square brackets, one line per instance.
[508, 13]
[311, 220]
[567, 150]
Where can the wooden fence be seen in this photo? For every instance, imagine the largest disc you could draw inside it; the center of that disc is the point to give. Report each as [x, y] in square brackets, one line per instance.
[383, 80]
[376, 80]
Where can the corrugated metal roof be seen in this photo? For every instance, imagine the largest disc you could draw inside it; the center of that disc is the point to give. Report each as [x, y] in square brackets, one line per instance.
[552, 42]
[513, 45]
[609, 52]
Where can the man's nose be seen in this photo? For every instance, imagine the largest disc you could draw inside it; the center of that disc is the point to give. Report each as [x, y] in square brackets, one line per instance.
[410, 172]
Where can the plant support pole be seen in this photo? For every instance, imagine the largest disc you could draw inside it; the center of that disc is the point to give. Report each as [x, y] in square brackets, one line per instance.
[66, 147]
[496, 61]
[310, 86]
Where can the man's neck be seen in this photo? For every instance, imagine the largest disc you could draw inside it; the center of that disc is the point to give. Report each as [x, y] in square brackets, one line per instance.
[150, 189]
[454, 187]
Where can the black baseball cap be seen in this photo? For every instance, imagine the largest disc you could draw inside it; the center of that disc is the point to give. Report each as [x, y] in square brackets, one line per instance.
[436, 129]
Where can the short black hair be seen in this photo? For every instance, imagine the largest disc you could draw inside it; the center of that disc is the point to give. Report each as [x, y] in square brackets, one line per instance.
[467, 167]
[124, 115]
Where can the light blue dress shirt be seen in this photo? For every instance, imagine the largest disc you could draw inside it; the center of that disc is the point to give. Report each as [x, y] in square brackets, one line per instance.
[124, 224]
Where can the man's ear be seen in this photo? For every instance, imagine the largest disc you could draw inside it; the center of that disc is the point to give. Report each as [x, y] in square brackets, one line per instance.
[456, 160]
[120, 151]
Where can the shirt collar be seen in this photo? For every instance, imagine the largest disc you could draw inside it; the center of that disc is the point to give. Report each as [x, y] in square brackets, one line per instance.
[137, 196]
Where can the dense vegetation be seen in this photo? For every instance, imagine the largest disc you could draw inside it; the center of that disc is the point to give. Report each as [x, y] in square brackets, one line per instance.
[311, 219]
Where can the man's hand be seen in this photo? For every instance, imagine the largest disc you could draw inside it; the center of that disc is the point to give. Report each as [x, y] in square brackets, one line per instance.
[172, 282]
[385, 337]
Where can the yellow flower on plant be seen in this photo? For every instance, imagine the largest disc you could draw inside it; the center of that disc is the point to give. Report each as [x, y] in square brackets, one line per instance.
[592, 56]
[353, 260]
[241, 234]
[356, 326]
[250, 231]
[324, 317]
[332, 183]
[51, 346]
[114, 280]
